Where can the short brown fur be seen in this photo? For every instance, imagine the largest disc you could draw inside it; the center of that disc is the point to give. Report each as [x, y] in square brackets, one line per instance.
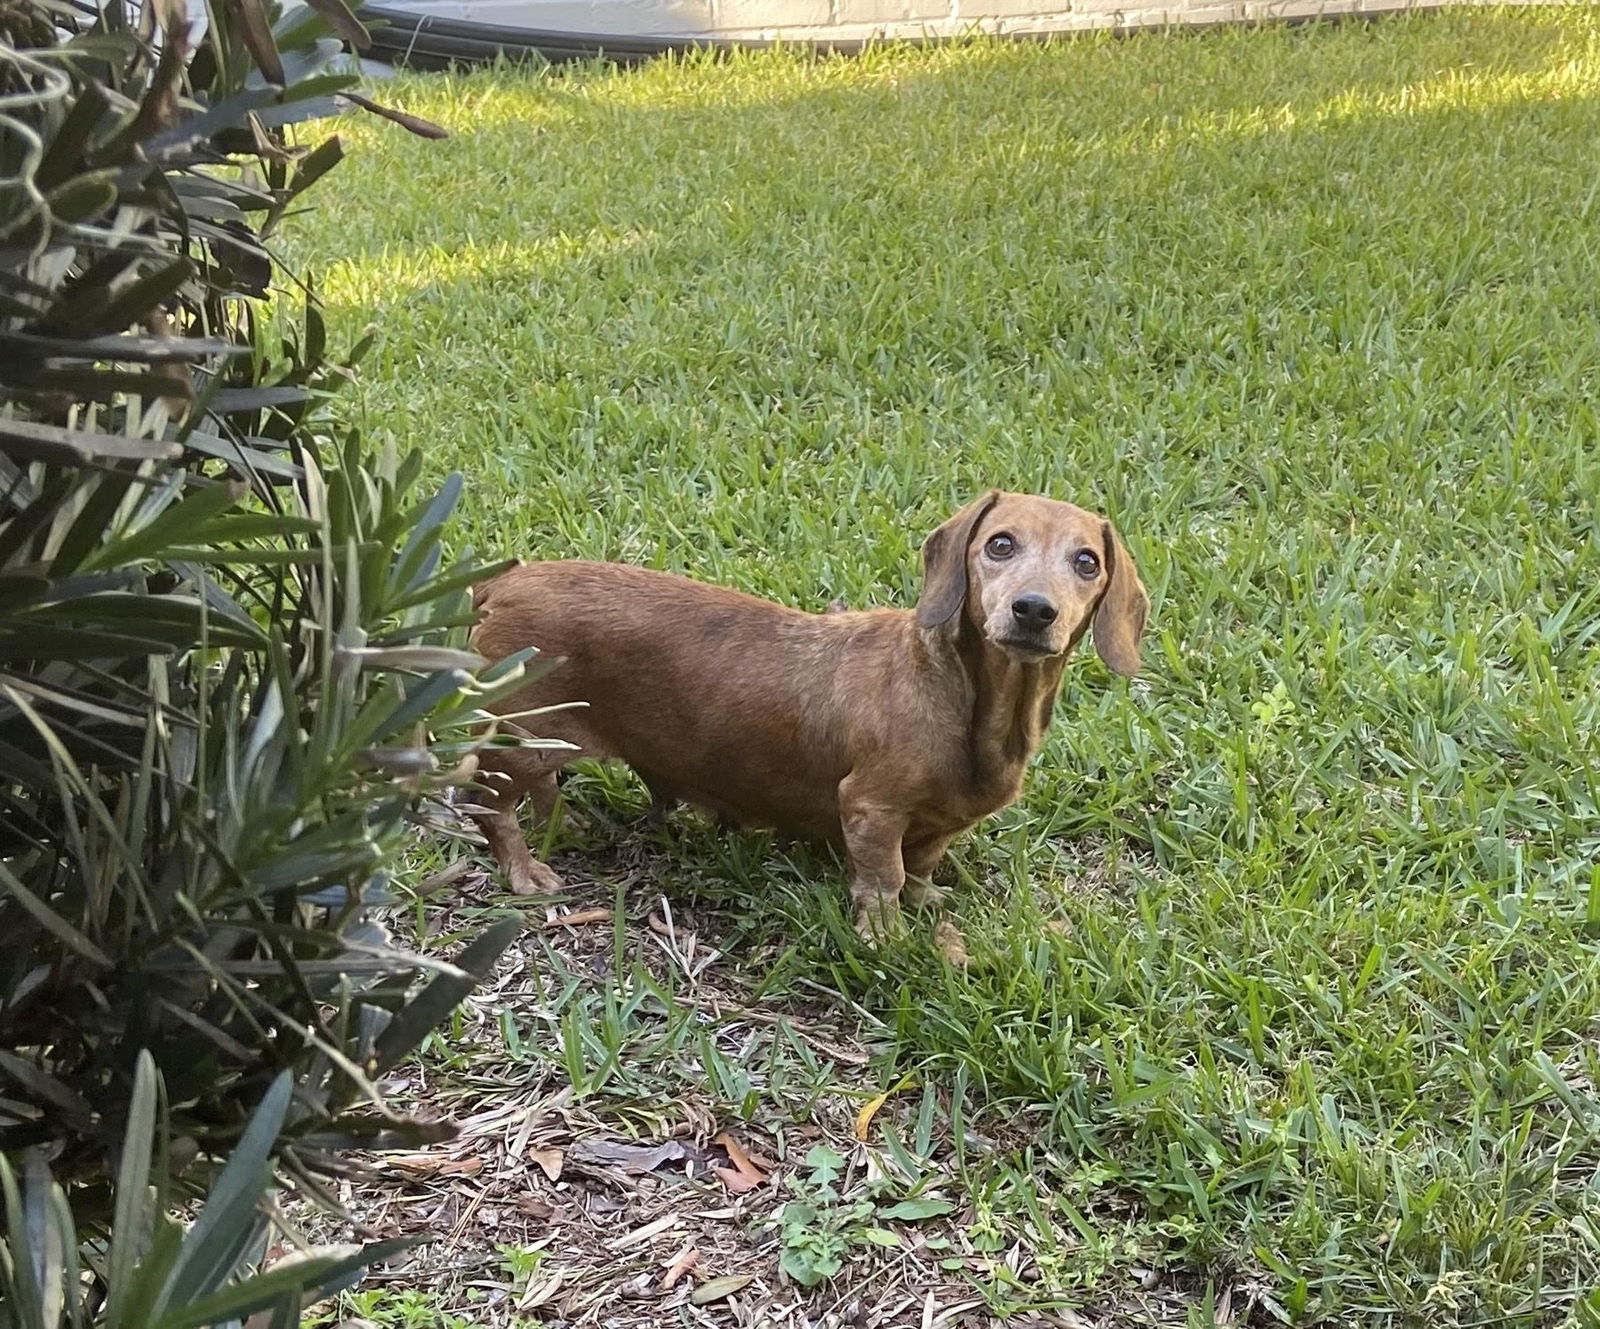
[886, 732]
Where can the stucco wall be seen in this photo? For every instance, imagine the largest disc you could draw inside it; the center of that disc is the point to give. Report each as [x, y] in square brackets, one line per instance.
[846, 19]
[842, 18]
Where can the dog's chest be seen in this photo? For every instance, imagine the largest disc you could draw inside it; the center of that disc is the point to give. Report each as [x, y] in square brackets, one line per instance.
[958, 806]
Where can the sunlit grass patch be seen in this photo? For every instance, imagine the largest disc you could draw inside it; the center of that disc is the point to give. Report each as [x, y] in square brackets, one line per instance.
[1284, 970]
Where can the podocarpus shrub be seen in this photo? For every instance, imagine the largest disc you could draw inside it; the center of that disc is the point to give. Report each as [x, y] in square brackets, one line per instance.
[231, 675]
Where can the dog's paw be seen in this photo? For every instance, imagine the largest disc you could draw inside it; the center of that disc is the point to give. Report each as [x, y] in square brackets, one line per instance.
[534, 878]
[574, 822]
[879, 922]
[950, 944]
[924, 893]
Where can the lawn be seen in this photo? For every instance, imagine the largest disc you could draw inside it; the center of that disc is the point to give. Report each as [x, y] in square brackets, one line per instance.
[1285, 978]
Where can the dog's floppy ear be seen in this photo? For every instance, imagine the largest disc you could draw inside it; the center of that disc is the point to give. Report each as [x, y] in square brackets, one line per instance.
[944, 564]
[1119, 621]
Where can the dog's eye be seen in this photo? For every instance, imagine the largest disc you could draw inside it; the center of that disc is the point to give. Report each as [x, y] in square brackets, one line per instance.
[1000, 546]
[1087, 563]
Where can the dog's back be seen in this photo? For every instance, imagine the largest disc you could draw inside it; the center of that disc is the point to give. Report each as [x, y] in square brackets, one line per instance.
[715, 697]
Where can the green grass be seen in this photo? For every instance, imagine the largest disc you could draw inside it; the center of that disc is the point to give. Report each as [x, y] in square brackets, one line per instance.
[1314, 315]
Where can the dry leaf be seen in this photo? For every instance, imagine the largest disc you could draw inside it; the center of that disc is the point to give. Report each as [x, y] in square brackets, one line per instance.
[744, 1176]
[550, 1161]
[422, 1166]
[1059, 926]
[633, 1159]
[447, 876]
[867, 1113]
[736, 1182]
[718, 1288]
[949, 942]
[678, 1266]
[539, 1293]
[640, 1235]
[578, 918]
[533, 1207]
[736, 1152]
[413, 1165]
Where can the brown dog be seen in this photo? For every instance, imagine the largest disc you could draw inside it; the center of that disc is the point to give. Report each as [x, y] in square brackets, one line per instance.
[887, 732]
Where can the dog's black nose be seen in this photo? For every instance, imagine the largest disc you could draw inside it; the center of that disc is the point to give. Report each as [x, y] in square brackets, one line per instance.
[1033, 610]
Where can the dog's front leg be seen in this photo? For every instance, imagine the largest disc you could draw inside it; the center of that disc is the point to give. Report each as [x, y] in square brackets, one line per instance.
[503, 786]
[872, 835]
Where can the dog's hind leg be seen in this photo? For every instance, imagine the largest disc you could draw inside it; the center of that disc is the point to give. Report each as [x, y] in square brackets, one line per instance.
[661, 800]
[545, 794]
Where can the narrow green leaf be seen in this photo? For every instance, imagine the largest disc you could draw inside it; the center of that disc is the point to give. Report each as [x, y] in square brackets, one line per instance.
[914, 1211]
[26, 1294]
[46, 1087]
[429, 1007]
[235, 401]
[178, 620]
[150, 292]
[249, 460]
[457, 578]
[207, 1255]
[130, 1229]
[136, 350]
[420, 700]
[252, 26]
[40, 642]
[420, 658]
[43, 1236]
[242, 558]
[315, 164]
[51, 921]
[236, 527]
[90, 529]
[26, 440]
[314, 1276]
[108, 384]
[156, 538]
[148, 1280]
[226, 114]
[425, 529]
[343, 22]
[718, 1289]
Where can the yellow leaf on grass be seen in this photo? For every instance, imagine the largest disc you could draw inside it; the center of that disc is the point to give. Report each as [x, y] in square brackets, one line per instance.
[869, 1109]
[867, 1113]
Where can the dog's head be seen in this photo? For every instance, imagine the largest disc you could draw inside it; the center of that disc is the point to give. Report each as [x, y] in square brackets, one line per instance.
[1031, 575]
